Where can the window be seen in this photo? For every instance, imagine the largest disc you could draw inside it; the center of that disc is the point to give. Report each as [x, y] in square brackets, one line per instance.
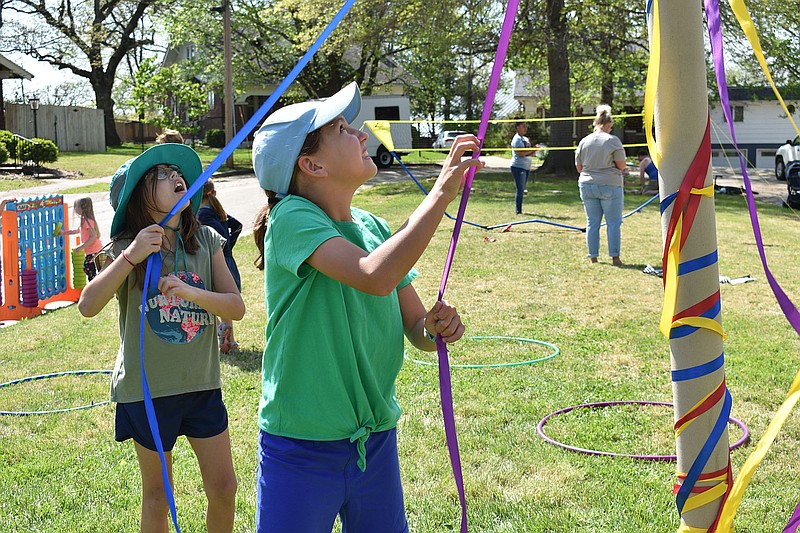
[387, 113]
[738, 113]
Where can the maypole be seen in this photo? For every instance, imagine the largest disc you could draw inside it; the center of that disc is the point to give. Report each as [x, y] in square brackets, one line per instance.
[691, 316]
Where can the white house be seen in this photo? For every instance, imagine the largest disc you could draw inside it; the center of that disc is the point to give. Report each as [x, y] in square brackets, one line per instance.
[760, 124]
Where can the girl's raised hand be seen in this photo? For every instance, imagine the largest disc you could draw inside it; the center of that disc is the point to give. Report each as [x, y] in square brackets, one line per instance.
[443, 319]
[451, 178]
[147, 241]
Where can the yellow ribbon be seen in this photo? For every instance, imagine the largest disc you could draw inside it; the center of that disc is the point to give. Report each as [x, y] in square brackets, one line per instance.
[651, 83]
[747, 470]
[698, 500]
[383, 131]
[749, 29]
[671, 281]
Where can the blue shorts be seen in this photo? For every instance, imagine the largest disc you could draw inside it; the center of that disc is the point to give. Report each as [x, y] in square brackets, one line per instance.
[194, 414]
[303, 484]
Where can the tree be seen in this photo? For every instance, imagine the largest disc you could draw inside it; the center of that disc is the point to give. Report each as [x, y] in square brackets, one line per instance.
[168, 97]
[778, 28]
[90, 39]
[592, 49]
[439, 50]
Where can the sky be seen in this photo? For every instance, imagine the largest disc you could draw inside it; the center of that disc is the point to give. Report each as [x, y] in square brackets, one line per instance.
[45, 77]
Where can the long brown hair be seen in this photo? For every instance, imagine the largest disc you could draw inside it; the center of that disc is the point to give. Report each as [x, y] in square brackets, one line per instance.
[210, 196]
[137, 217]
[87, 212]
[261, 221]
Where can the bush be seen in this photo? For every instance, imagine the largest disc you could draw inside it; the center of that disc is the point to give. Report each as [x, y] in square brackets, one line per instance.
[215, 138]
[3, 153]
[40, 150]
[8, 140]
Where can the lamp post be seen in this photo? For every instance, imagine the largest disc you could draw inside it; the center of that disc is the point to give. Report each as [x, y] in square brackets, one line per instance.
[34, 103]
[228, 75]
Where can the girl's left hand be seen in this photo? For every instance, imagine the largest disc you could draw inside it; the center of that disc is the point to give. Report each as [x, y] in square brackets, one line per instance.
[443, 319]
[170, 286]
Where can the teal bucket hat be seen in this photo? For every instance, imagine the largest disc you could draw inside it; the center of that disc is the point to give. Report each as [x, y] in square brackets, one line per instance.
[128, 175]
[277, 143]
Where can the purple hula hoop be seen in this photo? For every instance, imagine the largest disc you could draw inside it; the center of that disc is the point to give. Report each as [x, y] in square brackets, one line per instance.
[543, 421]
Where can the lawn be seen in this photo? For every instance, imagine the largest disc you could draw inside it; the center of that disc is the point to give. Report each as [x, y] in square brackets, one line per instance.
[94, 165]
[64, 472]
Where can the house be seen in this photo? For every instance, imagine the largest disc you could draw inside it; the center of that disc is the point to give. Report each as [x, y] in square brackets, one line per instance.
[9, 70]
[760, 124]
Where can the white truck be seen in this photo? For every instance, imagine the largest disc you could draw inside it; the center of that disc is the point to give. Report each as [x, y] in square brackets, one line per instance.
[786, 154]
[386, 107]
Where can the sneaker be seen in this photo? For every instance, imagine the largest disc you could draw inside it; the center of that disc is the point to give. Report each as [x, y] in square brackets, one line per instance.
[225, 336]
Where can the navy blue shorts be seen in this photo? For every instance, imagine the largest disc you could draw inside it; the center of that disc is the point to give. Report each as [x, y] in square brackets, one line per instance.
[194, 414]
[303, 484]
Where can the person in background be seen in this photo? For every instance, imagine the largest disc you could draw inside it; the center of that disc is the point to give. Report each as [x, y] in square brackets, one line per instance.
[90, 235]
[212, 214]
[600, 160]
[520, 162]
[648, 173]
[170, 136]
[339, 300]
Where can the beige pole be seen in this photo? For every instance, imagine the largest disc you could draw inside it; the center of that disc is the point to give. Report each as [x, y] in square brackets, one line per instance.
[681, 114]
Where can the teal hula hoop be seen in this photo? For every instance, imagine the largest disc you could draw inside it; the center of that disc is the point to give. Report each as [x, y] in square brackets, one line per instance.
[555, 349]
[53, 375]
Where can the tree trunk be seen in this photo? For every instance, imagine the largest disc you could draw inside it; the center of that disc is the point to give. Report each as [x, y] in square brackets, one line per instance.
[560, 162]
[102, 90]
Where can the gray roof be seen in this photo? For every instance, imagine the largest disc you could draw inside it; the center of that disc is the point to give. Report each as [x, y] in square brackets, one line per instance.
[10, 70]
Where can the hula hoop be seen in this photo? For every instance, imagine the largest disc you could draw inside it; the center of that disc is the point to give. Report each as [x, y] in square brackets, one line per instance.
[555, 349]
[543, 421]
[53, 375]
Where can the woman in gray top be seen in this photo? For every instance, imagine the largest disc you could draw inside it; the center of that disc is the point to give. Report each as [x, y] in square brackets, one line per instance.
[600, 159]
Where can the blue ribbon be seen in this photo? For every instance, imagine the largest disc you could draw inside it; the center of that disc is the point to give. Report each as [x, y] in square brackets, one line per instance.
[153, 271]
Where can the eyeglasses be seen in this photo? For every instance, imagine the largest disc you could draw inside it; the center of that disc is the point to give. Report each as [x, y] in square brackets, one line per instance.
[166, 172]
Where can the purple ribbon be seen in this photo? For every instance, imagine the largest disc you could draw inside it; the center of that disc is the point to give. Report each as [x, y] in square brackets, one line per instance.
[444, 364]
[788, 308]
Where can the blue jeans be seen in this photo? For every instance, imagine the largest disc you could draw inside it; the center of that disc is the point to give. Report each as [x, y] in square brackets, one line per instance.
[600, 200]
[520, 181]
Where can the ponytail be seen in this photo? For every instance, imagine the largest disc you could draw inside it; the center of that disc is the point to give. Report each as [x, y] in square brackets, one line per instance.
[260, 226]
[209, 195]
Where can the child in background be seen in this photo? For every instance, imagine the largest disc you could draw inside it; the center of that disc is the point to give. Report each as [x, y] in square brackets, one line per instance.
[212, 214]
[169, 136]
[339, 300]
[180, 344]
[648, 173]
[90, 235]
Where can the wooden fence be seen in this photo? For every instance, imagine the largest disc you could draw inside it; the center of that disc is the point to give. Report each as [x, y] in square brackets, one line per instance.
[73, 129]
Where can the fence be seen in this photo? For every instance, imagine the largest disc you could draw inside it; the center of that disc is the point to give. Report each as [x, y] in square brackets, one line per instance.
[73, 129]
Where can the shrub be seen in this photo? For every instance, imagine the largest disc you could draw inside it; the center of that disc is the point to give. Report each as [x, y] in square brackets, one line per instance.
[8, 140]
[215, 138]
[3, 153]
[40, 150]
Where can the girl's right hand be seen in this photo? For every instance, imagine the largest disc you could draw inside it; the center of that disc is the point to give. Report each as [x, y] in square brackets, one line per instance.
[147, 241]
[451, 178]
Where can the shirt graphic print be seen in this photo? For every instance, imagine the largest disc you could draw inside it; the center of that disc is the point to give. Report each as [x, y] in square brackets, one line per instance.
[176, 320]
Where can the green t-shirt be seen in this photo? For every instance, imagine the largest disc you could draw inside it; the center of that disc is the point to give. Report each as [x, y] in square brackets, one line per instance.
[181, 347]
[333, 352]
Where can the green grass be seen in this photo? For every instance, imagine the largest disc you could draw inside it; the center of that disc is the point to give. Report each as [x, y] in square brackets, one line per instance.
[64, 472]
[95, 165]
